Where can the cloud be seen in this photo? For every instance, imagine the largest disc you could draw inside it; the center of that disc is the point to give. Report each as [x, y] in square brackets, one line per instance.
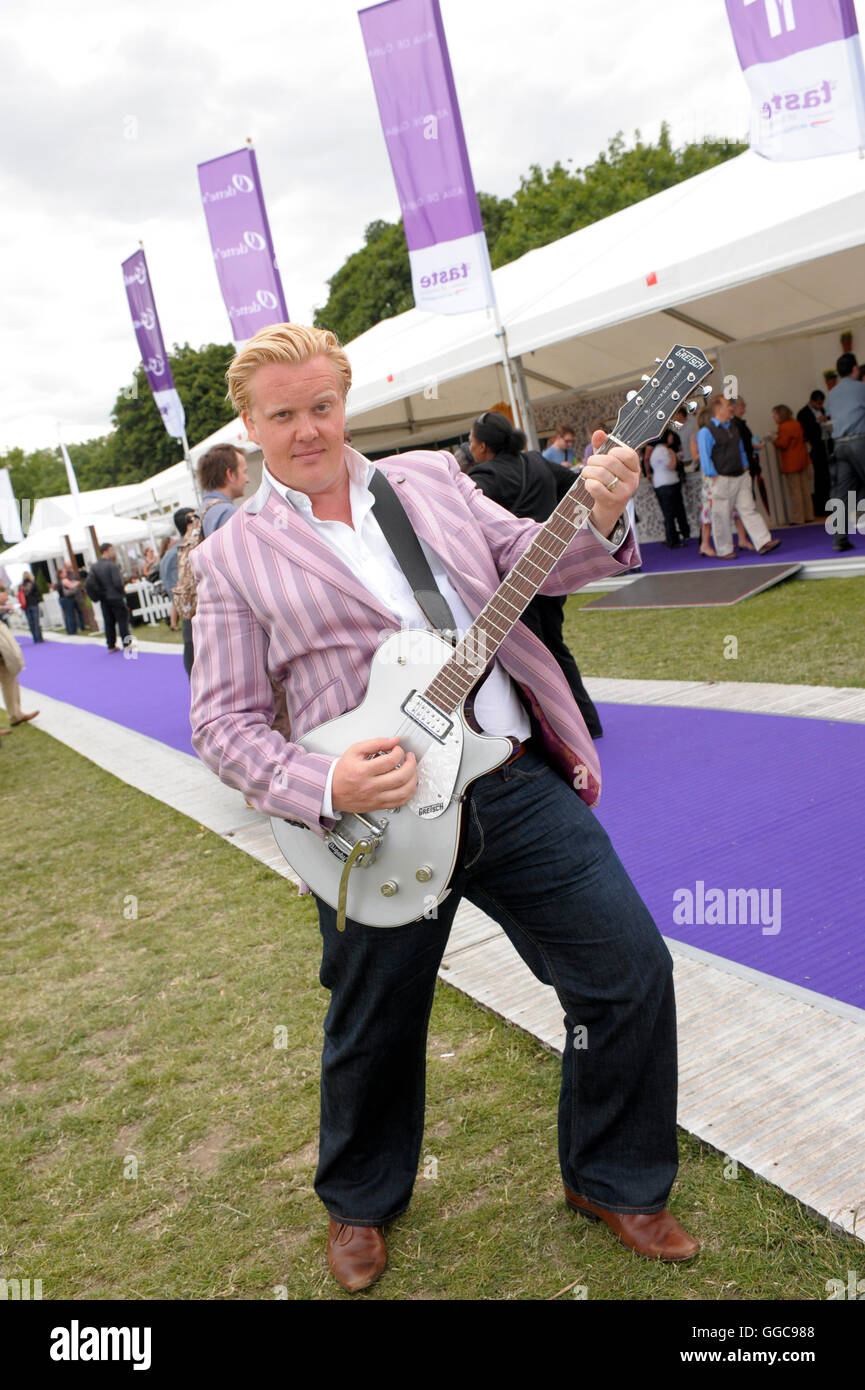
[114, 104]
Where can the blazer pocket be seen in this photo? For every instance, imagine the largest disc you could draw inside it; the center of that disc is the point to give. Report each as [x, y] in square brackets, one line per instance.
[327, 703]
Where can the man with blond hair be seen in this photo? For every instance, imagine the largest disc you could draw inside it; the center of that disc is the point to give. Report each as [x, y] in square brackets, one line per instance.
[304, 580]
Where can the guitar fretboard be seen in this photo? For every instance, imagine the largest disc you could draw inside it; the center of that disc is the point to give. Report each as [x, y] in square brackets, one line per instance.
[477, 648]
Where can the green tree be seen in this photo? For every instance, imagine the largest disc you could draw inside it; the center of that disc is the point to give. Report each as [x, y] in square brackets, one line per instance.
[140, 444]
[552, 204]
[375, 282]
[40, 473]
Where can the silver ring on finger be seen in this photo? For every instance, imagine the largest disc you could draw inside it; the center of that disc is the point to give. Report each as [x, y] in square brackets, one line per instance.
[613, 485]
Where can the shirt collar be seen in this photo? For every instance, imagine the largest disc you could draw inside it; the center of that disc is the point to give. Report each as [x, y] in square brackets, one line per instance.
[360, 471]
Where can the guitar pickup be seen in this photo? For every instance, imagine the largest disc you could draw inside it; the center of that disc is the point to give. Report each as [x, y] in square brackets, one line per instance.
[427, 716]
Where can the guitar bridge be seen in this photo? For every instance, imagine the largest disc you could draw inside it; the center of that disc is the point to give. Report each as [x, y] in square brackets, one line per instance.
[342, 847]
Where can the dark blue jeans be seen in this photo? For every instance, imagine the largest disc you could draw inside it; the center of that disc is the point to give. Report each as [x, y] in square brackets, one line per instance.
[540, 863]
[31, 613]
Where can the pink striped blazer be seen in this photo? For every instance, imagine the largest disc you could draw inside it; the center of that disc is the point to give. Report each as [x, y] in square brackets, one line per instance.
[275, 603]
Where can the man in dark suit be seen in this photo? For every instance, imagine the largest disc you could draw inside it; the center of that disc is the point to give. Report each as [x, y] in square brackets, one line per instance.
[812, 417]
[105, 586]
[530, 484]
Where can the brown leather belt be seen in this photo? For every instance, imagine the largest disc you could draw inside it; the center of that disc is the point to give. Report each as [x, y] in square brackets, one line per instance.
[517, 753]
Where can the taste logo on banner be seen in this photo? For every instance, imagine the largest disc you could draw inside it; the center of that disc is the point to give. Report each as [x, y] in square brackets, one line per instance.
[802, 60]
[455, 274]
[420, 116]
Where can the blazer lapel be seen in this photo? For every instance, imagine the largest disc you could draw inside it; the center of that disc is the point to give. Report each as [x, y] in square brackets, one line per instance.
[279, 525]
[424, 518]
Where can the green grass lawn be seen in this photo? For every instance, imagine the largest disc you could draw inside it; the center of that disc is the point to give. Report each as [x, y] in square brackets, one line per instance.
[157, 632]
[157, 1144]
[800, 632]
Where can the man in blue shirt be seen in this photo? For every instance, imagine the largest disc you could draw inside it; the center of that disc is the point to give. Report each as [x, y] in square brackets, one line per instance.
[561, 446]
[725, 463]
[223, 478]
[845, 407]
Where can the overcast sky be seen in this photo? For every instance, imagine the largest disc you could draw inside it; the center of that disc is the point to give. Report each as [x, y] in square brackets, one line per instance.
[108, 106]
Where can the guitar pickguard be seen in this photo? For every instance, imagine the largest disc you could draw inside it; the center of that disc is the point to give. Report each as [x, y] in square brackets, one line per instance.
[437, 774]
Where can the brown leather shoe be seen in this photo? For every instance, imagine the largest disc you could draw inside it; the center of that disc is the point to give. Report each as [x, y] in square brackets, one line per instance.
[356, 1255]
[656, 1235]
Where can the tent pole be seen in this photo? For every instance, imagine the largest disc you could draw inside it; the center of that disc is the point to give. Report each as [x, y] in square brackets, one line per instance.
[506, 361]
[530, 429]
[195, 488]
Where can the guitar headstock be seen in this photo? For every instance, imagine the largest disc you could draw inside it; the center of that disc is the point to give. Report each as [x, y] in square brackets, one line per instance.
[673, 379]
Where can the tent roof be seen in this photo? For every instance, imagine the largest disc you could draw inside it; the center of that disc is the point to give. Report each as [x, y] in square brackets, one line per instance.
[49, 541]
[749, 249]
[54, 511]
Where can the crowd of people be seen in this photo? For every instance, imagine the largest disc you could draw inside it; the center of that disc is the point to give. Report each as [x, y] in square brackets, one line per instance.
[821, 452]
[222, 475]
[822, 457]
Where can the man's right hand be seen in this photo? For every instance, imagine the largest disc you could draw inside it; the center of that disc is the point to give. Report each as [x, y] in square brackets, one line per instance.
[363, 781]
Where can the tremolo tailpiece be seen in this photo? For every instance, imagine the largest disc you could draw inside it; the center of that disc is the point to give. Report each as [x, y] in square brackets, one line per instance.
[362, 852]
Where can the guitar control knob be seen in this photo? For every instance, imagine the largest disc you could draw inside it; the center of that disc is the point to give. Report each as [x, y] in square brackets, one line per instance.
[424, 874]
[388, 889]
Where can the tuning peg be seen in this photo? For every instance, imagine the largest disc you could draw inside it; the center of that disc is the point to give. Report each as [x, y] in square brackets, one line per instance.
[630, 396]
[706, 390]
[645, 377]
[691, 407]
[659, 359]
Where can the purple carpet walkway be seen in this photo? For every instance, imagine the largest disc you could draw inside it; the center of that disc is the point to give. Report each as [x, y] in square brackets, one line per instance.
[798, 543]
[702, 806]
[146, 692]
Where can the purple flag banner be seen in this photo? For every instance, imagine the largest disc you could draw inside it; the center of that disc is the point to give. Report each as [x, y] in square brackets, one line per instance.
[154, 358]
[802, 60]
[417, 103]
[242, 247]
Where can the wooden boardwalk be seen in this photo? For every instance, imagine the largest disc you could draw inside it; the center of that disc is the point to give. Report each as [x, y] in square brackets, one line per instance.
[769, 1072]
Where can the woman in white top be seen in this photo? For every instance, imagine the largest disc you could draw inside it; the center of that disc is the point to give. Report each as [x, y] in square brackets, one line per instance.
[668, 490]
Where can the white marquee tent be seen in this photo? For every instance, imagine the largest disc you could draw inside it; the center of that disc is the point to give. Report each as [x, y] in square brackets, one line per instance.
[746, 252]
[756, 262]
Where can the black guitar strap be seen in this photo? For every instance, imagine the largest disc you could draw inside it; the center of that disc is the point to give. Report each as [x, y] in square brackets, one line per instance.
[399, 534]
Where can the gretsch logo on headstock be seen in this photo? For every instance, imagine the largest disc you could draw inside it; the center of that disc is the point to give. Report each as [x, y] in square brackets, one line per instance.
[689, 357]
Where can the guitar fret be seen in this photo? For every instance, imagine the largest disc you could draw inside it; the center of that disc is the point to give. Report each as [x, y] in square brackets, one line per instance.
[501, 599]
[448, 685]
[541, 571]
[551, 553]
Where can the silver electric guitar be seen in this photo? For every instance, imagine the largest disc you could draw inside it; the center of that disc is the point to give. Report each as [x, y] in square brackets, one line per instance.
[386, 868]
